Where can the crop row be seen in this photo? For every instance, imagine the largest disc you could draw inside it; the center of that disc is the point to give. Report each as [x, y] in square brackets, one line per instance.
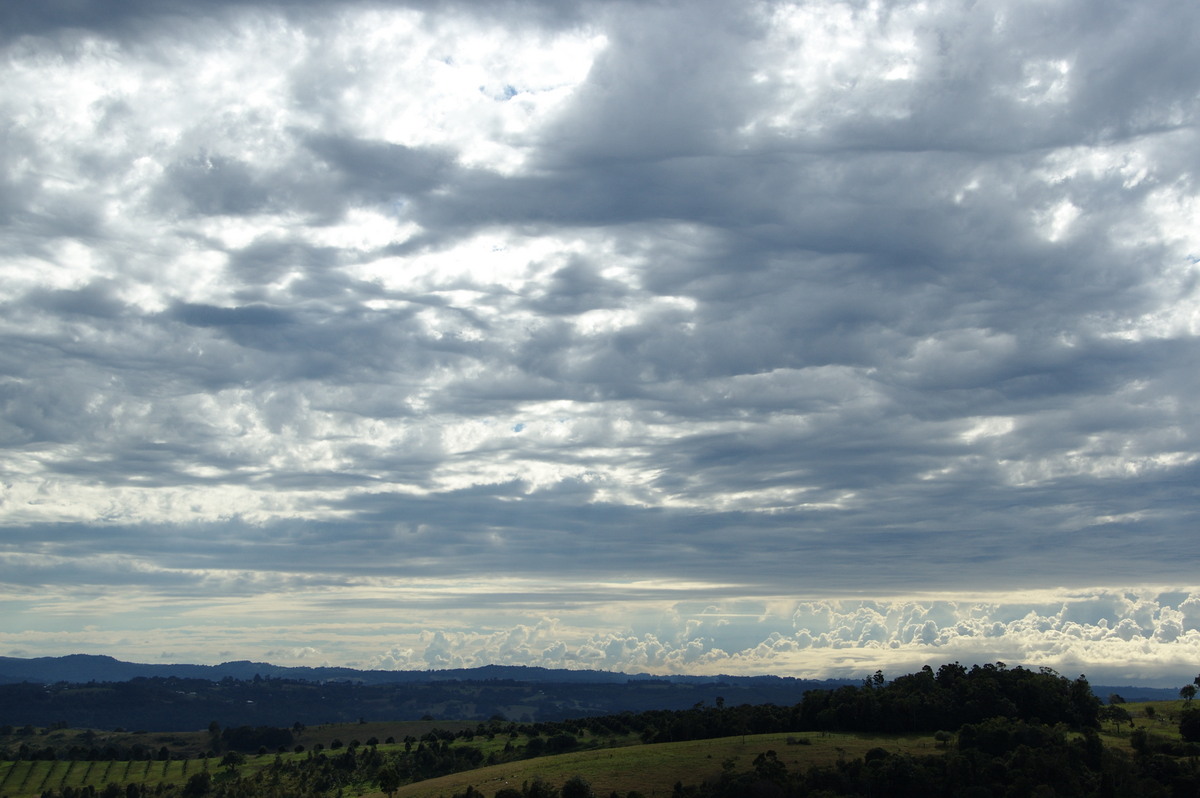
[34, 777]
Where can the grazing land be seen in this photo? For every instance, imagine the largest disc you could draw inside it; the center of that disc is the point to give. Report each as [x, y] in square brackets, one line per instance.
[1008, 731]
[655, 768]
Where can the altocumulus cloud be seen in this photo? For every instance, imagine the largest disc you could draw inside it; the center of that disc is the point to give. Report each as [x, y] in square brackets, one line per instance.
[808, 338]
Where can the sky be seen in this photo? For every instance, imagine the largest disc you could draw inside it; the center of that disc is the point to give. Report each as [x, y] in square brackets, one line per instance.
[687, 336]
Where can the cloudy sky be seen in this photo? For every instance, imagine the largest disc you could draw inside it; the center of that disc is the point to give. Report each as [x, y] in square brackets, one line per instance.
[683, 336]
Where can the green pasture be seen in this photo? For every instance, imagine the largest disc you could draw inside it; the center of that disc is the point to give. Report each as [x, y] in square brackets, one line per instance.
[611, 764]
[654, 769]
[193, 744]
[29, 779]
[1160, 720]
[648, 768]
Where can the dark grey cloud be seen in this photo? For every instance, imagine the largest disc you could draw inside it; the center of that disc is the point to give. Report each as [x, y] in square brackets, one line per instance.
[94, 299]
[380, 170]
[212, 316]
[216, 185]
[136, 17]
[266, 260]
[578, 287]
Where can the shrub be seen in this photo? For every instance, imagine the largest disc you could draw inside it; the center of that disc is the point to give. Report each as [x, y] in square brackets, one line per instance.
[1189, 725]
[577, 787]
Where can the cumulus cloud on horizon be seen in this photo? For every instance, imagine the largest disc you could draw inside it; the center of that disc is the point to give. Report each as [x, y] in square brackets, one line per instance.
[1134, 636]
[462, 319]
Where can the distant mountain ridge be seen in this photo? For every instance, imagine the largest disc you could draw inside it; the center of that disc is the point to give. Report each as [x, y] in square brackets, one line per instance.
[98, 692]
[82, 668]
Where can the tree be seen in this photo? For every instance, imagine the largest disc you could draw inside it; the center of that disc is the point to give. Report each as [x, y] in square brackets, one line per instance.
[1189, 726]
[768, 767]
[199, 785]
[1117, 715]
[577, 787]
[1187, 692]
[540, 789]
[560, 743]
[233, 759]
[389, 781]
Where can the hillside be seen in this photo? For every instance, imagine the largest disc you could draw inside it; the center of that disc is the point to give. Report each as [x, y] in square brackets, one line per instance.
[987, 730]
[106, 693]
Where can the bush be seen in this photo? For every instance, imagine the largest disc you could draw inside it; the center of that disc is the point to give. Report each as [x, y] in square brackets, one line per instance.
[999, 736]
[1189, 726]
[577, 787]
[560, 743]
[197, 786]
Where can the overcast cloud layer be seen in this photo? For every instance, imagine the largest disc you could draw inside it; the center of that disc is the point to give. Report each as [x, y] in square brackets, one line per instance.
[681, 336]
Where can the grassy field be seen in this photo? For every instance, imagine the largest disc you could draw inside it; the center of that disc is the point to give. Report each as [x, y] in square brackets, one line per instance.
[1160, 719]
[193, 744]
[623, 768]
[654, 769]
[28, 779]
[618, 764]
